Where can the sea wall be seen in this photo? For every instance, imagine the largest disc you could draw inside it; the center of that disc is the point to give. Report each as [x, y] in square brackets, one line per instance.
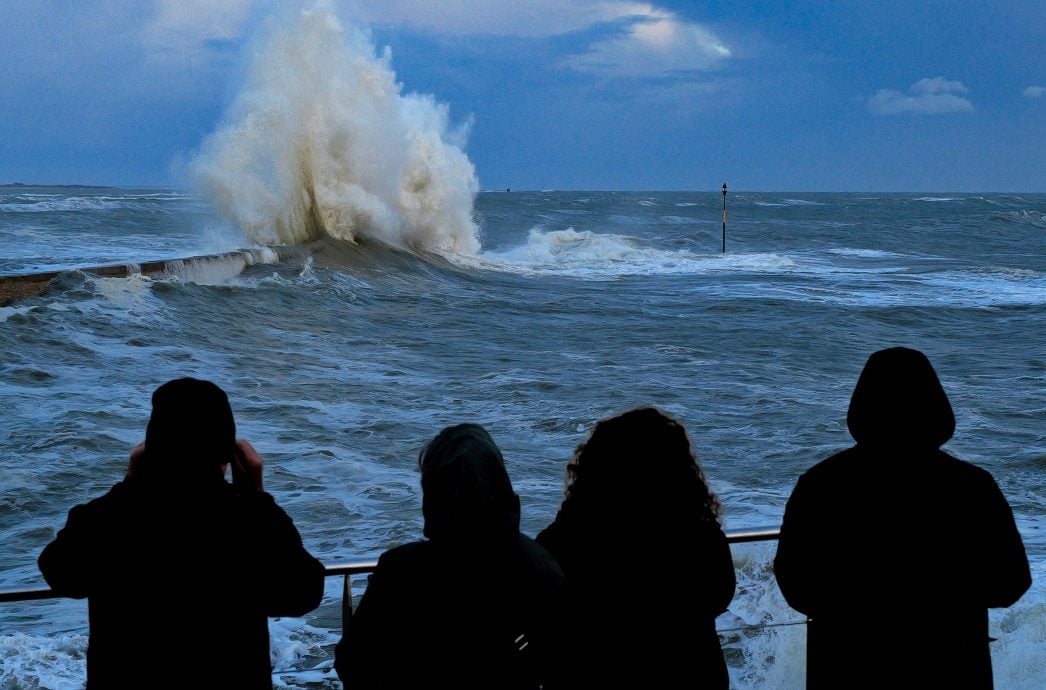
[206, 268]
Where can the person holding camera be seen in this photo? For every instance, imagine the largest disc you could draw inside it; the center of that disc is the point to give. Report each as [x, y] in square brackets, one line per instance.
[180, 567]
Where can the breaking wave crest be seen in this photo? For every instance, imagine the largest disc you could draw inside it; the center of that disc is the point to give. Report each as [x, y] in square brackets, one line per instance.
[1024, 217]
[56, 203]
[321, 142]
[586, 254]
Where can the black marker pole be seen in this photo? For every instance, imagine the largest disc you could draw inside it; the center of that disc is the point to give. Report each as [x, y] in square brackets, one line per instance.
[724, 217]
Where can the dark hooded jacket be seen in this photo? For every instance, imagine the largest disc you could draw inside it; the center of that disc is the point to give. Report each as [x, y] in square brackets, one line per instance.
[895, 549]
[180, 568]
[473, 606]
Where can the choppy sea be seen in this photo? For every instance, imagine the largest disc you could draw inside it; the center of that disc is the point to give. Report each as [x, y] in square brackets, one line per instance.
[343, 359]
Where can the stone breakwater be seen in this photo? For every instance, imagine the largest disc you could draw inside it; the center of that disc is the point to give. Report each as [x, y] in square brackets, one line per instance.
[207, 268]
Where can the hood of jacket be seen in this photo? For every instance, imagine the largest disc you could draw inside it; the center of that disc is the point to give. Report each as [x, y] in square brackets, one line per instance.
[899, 402]
[191, 433]
[466, 492]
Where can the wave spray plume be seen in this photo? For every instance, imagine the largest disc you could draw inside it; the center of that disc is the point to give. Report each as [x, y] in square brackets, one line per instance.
[322, 143]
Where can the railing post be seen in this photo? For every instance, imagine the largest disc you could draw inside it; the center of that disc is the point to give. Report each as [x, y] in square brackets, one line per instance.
[346, 600]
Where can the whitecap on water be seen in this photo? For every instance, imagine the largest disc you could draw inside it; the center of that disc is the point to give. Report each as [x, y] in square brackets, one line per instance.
[591, 255]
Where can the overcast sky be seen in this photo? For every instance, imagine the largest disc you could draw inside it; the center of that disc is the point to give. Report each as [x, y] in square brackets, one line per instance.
[884, 95]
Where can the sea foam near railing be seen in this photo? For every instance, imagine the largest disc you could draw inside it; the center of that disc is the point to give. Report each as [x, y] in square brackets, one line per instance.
[56, 662]
[298, 650]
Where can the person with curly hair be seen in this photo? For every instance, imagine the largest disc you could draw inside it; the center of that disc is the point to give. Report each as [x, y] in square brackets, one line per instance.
[635, 489]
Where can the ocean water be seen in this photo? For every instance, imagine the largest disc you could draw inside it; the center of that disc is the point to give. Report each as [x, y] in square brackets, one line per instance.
[405, 301]
[555, 310]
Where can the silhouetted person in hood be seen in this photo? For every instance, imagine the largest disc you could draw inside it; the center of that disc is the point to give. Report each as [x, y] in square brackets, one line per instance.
[895, 549]
[180, 568]
[473, 606]
[634, 489]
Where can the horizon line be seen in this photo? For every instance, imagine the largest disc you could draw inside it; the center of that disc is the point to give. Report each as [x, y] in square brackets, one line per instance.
[550, 190]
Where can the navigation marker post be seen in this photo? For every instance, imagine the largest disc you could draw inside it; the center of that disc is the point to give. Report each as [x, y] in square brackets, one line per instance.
[724, 217]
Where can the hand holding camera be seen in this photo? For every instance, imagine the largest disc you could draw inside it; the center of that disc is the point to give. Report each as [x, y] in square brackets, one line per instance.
[247, 467]
[136, 454]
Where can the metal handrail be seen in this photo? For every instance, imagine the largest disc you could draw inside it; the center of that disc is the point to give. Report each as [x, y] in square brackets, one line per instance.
[347, 570]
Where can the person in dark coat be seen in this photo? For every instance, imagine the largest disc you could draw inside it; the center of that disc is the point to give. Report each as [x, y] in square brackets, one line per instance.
[180, 568]
[648, 566]
[473, 606]
[895, 549]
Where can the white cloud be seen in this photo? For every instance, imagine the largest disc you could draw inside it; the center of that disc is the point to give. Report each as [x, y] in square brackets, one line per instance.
[926, 96]
[1034, 92]
[655, 44]
[181, 28]
[653, 41]
[929, 87]
[527, 18]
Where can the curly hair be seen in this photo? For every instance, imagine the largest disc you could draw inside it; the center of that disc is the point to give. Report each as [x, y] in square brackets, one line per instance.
[642, 459]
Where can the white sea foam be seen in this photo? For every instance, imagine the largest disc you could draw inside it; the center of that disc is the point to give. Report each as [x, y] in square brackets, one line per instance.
[1030, 217]
[130, 295]
[50, 203]
[56, 662]
[321, 141]
[1019, 652]
[587, 254]
[599, 256]
[774, 649]
[294, 642]
[999, 287]
[8, 312]
[862, 253]
[214, 270]
[937, 198]
[789, 202]
[64, 204]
